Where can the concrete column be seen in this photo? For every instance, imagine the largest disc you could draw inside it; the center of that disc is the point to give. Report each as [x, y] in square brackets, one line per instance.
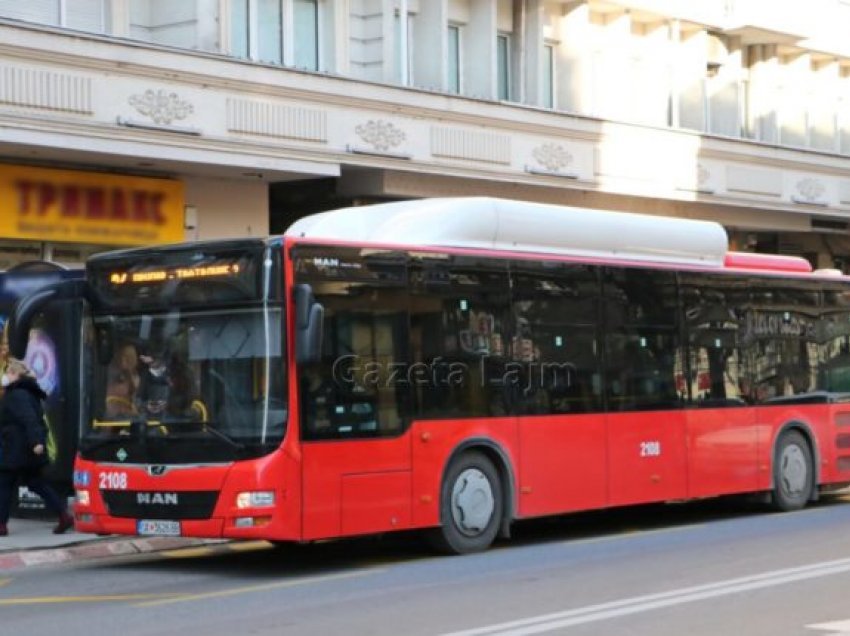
[335, 36]
[534, 40]
[795, 72]
[390, 70]
[674, 28]
[823, 106]
[208, 36]
[118, 18]
[479, 50]
[573, 79]
[693, 103]
[288, 16]
[762, 118]
[518, 70]
[612, 63]
[429, 35]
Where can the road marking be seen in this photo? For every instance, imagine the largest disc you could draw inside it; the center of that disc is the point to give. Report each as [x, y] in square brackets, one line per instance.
[46, 600]
[837, 628]
[307, 580]
[603, 611]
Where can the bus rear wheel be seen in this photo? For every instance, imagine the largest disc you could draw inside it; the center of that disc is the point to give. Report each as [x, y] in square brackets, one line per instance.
[793, 472]
[471, 506]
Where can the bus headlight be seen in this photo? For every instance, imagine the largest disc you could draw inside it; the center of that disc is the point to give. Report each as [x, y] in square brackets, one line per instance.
[257, 499]
[83, 498]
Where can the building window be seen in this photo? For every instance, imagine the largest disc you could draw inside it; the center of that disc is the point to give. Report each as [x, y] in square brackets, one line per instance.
[269, 31]
[453, 59]
[306, 29]
[239, 28]
[258, 31]
[548, 76]
[503, 74]
[404, 50]
[82, 15]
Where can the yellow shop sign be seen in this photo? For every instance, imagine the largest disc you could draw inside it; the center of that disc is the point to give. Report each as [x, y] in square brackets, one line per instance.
[89, 207]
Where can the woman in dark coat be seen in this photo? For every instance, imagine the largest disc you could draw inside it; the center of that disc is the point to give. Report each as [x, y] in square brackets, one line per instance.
[23, 445]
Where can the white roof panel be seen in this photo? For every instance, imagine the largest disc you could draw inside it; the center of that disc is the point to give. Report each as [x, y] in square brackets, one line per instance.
[503, 224]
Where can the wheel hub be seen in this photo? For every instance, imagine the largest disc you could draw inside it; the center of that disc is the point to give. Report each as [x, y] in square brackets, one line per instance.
[793, 470]
[473, 504]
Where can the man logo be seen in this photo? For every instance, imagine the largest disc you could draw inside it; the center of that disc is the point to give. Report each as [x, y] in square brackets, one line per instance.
[156, 498]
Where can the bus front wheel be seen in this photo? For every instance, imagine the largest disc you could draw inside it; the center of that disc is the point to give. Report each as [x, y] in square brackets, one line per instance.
[470, 506]
[793, 472]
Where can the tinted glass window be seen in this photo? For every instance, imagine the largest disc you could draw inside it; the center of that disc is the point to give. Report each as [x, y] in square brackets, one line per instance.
[555, 319]
[187, 386]
[642, 345]
[714, 313]
[459, 321]
[782, 324]
[834, 339]
[359, 387]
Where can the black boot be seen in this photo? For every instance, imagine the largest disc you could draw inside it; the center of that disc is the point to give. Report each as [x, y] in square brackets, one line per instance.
[66, 522]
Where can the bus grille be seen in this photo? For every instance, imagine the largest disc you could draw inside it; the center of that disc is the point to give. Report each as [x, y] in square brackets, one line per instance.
[140, 504]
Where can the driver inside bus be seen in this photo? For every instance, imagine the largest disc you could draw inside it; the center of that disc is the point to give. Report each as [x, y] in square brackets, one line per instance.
[168, 388]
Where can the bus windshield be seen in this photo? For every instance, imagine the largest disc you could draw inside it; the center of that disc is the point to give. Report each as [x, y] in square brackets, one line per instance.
[186, 386]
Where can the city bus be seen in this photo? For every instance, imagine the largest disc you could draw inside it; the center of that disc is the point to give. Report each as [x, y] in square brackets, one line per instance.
[451, 366]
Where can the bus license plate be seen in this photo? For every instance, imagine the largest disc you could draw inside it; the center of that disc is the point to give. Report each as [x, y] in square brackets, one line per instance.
[158, 528]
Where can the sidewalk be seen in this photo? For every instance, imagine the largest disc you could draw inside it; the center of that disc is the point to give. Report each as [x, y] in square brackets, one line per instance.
[32, 542]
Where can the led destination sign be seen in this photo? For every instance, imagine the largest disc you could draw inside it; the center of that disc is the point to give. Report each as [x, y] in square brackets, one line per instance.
[182, 275]
[176, 273]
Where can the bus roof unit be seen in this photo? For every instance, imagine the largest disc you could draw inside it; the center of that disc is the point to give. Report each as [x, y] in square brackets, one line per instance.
[768, 262]
[507, 225]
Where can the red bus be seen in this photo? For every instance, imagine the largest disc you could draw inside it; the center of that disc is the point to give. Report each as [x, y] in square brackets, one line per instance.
[452, 365]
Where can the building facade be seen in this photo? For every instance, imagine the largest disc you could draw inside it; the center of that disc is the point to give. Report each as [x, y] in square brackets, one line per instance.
[126, 122]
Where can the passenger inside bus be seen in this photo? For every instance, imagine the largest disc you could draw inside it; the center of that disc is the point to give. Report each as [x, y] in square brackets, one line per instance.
[122, 382]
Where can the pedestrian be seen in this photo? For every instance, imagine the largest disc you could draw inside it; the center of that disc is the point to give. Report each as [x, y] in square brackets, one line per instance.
[23, 444]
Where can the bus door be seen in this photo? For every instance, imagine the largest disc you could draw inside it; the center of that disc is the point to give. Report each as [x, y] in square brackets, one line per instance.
[722, 432]
[646, 421]
[354, 402]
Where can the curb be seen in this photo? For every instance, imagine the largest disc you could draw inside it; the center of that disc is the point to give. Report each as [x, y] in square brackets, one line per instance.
[96, 550]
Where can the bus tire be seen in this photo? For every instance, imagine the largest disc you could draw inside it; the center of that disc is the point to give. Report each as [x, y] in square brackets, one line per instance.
[471, 506]
[793, 472]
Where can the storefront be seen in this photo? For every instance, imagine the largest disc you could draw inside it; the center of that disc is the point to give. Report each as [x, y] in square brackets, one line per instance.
[67, 215]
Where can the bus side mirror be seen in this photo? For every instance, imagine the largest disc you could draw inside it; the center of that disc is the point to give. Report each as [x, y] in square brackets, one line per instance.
[28, 307]
[309, 319]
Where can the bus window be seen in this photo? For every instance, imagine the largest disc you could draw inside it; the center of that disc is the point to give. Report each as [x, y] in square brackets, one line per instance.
[782, 323]
[459, 317]
[834, 330]
[555, 310]
[717, 366]
[642, 348]
[359, 387]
